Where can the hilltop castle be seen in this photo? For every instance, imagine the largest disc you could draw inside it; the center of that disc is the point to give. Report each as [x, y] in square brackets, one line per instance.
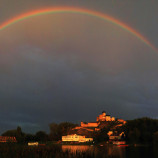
[84, 132]
[101, 119]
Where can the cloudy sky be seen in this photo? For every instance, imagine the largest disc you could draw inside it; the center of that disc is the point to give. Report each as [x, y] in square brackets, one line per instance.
[72, 66]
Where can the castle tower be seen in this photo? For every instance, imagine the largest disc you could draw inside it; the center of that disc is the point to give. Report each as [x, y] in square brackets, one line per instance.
[104, 113]
[101, 117]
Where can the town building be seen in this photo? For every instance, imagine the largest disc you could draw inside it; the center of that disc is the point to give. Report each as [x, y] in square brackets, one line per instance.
[33, 143]
[116, 138]
[76, 138]
[4, 139]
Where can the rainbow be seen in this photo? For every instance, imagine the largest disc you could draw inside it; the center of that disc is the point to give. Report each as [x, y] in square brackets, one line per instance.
[96, 14]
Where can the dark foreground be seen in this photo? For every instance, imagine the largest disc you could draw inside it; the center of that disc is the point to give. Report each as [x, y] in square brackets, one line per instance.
[76, 151]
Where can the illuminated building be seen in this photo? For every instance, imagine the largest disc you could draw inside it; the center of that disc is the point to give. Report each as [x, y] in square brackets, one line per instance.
[89, 124]
[4, 139]
[102, 121]
[104, 117]
[76, 138]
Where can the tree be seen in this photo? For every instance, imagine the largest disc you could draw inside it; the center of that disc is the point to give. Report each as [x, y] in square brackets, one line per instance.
[41, 136]
[54, 135]
[58, 130]
[155, 137]
[101, 135]
[134, 136]
[140, 130]
[10, 133]
[20, 136]
[29, 137]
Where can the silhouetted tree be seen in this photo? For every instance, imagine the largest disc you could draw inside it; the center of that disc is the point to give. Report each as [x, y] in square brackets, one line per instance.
[20, 136]
[58, 130]
[41, 136]
[140, 130]
[155, 138]
[29, 138]
[101, 135]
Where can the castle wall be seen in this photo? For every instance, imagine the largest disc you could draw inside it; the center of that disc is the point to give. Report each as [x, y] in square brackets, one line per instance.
[90, 124]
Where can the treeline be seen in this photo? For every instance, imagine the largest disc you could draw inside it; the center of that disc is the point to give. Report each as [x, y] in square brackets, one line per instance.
[137, 131]
[56, 132]
[143, 130]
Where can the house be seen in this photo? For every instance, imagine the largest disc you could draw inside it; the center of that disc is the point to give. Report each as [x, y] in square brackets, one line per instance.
[4, 139]
[76, 138]
[115, 136]
[33, 143]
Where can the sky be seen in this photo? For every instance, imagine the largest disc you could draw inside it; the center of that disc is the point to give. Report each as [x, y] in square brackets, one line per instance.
[72, 66]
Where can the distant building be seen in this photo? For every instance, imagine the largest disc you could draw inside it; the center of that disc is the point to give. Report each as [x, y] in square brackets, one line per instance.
[76, 138]
[115, 136]
[4, 139]
[122, 121]
[110, 133]
[87, 129]
[104, 117]
[117, 139]
[89, 124]
[33, 143]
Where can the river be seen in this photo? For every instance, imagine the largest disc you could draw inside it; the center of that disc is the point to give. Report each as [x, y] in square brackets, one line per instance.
[112, 151]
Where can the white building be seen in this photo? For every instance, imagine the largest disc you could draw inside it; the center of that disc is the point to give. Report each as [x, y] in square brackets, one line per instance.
[33, 143]
[76, 138]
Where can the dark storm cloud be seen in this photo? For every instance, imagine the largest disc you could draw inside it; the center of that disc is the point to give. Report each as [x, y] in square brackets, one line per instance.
[53, 73]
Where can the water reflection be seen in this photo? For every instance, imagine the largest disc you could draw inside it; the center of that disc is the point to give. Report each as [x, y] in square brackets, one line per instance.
[77, 148]
[116, 151]
[112, 151]
[97, 151]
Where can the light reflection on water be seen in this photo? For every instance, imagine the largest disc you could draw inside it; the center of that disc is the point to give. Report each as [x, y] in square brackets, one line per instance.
[77, 148]
[108, 151]
[103, 151]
